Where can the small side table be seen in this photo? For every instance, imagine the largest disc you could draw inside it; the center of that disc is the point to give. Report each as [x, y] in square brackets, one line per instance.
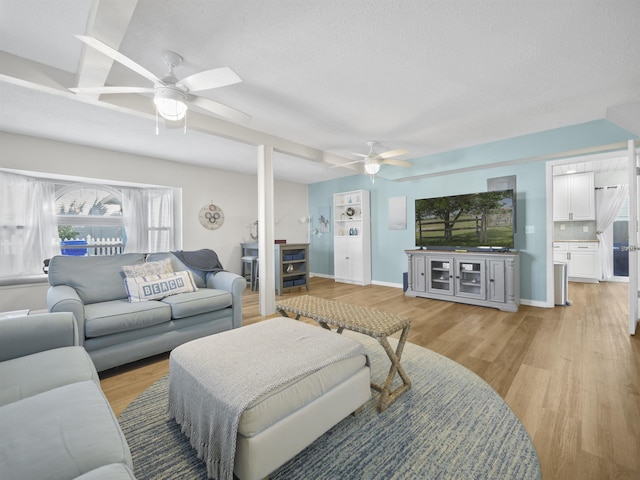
[369, 321]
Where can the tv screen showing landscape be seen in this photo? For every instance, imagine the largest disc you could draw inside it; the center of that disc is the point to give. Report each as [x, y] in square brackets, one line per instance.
[471, 220]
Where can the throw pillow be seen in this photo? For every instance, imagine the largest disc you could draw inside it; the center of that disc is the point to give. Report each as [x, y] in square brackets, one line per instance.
[161, 267]
[154, 287]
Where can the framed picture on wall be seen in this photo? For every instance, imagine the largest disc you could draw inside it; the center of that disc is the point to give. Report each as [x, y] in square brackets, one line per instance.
[324, 219]
[398, 213]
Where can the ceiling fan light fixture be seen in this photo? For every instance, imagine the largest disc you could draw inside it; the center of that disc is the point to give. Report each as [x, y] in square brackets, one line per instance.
[171, 103]
[372, 167]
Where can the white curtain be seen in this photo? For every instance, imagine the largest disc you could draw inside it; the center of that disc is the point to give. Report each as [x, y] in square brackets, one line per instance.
[28, 227]
[134, 211]
[160, 204]
[148, 219]
[608, 203]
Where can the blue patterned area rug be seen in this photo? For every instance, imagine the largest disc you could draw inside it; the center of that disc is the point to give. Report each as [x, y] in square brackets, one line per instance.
[450, 425]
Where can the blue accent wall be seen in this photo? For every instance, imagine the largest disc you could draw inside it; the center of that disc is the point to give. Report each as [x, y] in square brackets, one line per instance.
[389, 260]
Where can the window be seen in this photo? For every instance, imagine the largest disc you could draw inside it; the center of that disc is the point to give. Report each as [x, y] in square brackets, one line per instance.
[42, 217]
[90, 220]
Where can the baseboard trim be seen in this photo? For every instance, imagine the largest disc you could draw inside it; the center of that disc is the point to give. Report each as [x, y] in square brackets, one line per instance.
[523, 301]
[386, 284]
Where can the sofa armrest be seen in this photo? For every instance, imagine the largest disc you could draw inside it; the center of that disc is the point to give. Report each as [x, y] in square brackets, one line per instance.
[20, 336]
[62, 298]
[234, 283]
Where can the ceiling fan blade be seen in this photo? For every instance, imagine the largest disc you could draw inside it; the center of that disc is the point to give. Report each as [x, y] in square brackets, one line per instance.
[118, 57]
[217, 77]
[106, 90]
[360, 155]
[219, 109]
[398, 163]
[393, 153]
[348, 163]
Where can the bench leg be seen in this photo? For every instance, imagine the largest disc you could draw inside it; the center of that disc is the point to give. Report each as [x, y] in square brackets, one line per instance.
[387, 396]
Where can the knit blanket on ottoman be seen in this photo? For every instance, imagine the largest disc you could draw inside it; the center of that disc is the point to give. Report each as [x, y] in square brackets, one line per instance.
[214, 379]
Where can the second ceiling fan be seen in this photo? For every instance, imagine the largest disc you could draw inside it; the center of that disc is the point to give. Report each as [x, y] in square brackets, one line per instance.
[372, 160]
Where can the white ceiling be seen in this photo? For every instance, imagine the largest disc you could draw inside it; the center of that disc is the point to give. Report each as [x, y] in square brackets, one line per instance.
[321, 78]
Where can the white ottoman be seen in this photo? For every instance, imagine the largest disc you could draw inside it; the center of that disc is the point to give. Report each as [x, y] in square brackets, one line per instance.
[252, 398]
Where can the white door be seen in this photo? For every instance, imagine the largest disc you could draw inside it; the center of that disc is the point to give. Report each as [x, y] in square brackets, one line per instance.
[341, 258]
[634, 267]
[356, 272]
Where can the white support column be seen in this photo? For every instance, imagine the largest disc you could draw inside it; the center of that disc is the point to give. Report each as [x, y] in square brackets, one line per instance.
[266, 263]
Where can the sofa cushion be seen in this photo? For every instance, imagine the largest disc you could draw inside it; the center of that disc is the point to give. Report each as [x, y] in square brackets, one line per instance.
[199, 276]
[161, 267]
[154, 287]
[96, 279]
[115, 471]
[60, 434]
[32, 374]
[120, 316]
[203, 301]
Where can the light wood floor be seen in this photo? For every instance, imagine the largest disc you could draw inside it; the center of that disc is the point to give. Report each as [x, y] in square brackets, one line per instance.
[571, 374]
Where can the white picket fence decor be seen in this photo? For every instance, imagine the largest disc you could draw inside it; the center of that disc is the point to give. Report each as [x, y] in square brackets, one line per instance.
[92, 246]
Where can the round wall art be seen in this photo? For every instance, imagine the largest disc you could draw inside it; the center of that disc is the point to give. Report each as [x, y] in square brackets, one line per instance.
[211, 216]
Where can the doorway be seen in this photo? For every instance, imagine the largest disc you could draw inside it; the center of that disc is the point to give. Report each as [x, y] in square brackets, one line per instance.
[608, 248]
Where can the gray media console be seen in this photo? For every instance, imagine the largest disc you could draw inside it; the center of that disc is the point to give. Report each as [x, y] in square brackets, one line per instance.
[477, 278]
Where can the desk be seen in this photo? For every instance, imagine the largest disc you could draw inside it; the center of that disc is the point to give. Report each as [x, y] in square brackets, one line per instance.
[369, 321]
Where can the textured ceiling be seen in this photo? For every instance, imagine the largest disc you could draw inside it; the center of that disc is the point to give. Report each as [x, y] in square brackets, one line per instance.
[427, 76]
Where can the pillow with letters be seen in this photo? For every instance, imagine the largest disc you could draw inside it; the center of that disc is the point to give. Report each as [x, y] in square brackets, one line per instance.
[161, 267]
[154, 287]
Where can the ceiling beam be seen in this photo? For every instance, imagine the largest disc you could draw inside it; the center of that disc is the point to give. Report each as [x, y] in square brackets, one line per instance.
[108, 22]
[34, 75]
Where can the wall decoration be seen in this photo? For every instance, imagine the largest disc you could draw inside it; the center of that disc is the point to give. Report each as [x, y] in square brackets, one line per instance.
[211, 216]
[397, 213]
[324, 219]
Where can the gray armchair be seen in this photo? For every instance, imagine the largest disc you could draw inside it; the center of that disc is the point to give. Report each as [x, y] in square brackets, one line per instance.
[33, 351]
[55, 420]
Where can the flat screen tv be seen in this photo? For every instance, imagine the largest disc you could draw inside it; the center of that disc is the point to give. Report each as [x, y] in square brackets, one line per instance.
[472, 221]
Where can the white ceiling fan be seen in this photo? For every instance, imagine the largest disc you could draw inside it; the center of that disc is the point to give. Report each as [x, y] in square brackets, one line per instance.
[170, 95]
[372, 160]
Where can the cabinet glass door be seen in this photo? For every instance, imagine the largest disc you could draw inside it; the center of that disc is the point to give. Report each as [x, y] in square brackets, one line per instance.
[470, 279]
[440, 279]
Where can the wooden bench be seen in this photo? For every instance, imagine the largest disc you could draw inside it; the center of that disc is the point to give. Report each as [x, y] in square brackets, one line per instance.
[368, 321]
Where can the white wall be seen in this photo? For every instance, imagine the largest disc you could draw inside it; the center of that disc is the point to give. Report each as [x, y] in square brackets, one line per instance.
[235, 193]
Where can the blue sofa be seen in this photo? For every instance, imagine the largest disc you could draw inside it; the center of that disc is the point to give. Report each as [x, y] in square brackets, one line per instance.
[116, 331]
[55, 421]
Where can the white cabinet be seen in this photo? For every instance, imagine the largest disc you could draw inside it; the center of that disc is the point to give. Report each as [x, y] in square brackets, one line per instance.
[352, 237]
[574, 197]
[581, 259]
[490, 280]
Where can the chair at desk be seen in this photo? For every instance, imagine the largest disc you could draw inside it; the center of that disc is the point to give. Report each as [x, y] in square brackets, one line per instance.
[252, 260]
